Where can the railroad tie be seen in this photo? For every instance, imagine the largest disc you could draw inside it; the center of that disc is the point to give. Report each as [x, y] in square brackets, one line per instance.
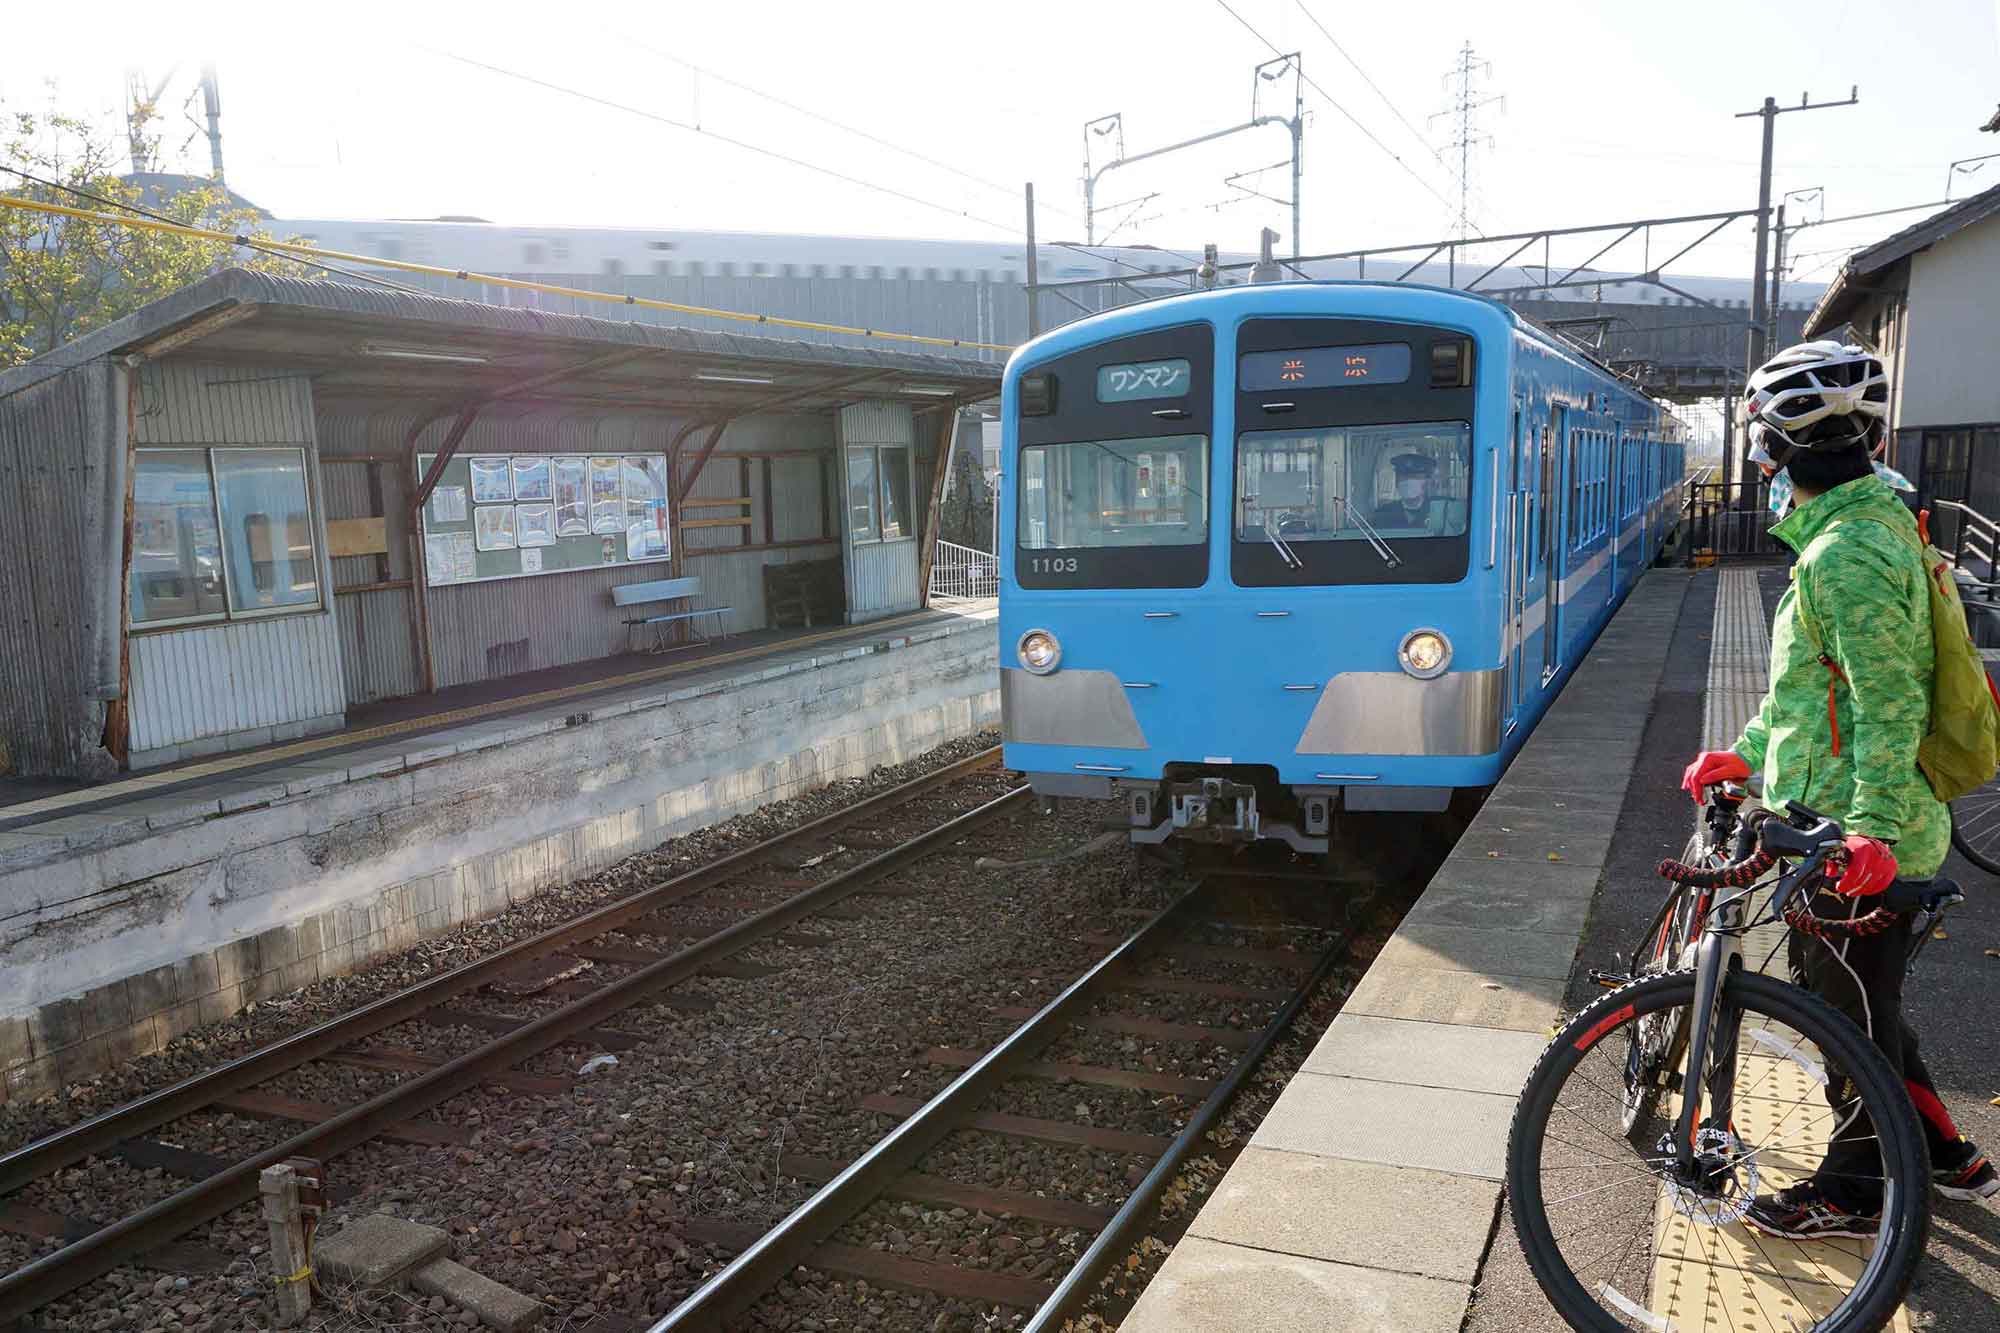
[611, 1039]
[176, 1257]
[938, 1192]
[1032, 1127]
[268, 1106]
[1154, 1028]
[1095, 1075]
[890, 1270]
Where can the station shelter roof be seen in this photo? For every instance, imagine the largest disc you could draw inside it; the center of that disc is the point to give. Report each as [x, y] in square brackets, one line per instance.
[375, 343]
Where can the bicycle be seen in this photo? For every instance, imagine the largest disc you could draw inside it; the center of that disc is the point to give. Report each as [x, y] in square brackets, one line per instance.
[1728, 1084]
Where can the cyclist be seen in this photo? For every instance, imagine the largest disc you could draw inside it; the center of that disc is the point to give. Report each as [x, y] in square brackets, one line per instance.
[1849, 699]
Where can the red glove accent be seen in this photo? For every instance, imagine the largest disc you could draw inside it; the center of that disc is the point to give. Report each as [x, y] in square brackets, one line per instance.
[1710, 768]
[1870, 866]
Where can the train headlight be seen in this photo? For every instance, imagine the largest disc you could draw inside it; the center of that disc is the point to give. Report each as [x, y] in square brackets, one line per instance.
[1040, 653]
[1425, 653]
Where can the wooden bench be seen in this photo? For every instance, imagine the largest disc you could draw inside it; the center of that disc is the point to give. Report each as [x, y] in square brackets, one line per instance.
[688, 617]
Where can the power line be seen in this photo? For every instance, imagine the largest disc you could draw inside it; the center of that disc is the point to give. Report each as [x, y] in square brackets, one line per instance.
[1313, 83]
[733, 142]
[825, 119]
[248, 244]
[1335, 43]
[762, 151]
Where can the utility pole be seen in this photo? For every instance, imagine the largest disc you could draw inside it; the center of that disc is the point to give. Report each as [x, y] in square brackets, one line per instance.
[211, 97]
[1034, 265]
[1466, 104]
[1770, 111]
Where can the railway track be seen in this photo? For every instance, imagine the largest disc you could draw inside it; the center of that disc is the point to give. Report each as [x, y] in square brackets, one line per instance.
[811, 1236]
[595, 967]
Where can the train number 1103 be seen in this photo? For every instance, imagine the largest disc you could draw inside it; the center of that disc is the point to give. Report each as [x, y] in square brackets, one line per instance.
[1059, 564]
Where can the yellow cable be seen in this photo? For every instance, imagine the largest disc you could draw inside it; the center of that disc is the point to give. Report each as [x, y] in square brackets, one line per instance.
[519, 284]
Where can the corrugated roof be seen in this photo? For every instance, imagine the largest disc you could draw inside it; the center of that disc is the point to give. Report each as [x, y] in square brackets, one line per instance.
[1844, 294]
[405, 314]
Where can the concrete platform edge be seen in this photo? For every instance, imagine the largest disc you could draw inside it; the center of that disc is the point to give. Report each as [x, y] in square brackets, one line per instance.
[1463, 1038]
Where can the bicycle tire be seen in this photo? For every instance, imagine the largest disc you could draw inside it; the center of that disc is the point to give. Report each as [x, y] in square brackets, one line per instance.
[1905, 1221]
[1648, 1056]
[1982, 801]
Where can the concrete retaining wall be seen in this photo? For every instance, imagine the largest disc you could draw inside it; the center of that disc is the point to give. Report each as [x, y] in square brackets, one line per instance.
[118, 932]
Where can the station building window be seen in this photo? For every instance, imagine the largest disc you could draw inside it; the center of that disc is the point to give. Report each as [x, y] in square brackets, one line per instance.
[878, 493]
[221, 534]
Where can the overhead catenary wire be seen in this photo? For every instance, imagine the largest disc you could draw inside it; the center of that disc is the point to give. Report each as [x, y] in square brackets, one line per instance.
[252, 244]
[496, 280]
[1333, 102]
[772, 153]
[1334, 42]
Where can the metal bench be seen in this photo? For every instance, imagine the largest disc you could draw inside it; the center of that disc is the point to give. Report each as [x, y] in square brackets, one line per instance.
[688, 617]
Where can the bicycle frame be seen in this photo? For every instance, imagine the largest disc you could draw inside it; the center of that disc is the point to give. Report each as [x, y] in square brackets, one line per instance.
[1721, 951]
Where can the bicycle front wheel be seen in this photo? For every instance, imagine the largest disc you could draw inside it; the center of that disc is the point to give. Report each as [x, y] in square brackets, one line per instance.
[1620, 1240]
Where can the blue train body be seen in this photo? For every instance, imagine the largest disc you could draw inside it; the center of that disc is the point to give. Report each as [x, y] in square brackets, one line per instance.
[1241, 528]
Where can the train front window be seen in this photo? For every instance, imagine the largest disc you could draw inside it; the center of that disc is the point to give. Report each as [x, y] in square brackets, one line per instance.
[1114, 513]
[1099, 493]
[1353, 504]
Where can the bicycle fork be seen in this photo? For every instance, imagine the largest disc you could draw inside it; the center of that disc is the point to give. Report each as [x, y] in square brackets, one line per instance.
[1710, 1029]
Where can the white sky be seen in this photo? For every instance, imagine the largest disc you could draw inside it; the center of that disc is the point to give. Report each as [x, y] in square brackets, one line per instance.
[1612, 111]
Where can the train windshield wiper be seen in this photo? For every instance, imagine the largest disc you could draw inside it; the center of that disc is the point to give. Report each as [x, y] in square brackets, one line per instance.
[1284, 548]
[1389, 557]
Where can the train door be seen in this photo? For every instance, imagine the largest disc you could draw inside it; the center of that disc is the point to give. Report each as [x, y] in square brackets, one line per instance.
[1514, 574]
[1558, 466]
[1621, 486]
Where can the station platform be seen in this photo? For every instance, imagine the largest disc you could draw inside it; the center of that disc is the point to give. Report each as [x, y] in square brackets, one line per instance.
[133, 910]
[1370, 1198]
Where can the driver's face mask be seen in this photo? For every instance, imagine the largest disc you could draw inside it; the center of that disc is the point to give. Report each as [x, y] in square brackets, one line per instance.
[1781, 492]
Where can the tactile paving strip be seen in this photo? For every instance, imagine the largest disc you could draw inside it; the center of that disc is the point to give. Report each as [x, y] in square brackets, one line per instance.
[1739, 656]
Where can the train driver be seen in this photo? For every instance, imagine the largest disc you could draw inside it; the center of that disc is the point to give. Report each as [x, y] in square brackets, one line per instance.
[1413, 506]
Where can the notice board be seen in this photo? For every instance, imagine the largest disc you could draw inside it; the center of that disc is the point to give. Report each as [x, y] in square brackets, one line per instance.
[494, 516]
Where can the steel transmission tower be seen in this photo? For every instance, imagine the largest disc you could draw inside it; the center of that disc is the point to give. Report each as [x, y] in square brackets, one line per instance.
[1467, 101]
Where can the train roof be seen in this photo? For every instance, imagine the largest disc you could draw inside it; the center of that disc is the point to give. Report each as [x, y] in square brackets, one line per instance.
[1515, 319]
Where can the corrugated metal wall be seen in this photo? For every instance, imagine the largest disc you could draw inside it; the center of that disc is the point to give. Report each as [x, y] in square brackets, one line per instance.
[881, 576]
[54, 440]
[210, 680]
[480, 631]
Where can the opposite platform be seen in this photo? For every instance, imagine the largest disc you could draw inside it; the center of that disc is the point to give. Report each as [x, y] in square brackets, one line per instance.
[1366, 1199]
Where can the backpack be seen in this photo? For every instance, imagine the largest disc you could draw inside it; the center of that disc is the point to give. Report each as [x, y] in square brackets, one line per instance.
[1961, 750]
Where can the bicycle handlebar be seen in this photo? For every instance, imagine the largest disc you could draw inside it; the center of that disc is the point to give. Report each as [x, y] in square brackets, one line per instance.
[1812, 839]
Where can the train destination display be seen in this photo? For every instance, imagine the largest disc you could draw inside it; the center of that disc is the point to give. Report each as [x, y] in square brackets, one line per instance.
[1129, 383]
[1324, 367]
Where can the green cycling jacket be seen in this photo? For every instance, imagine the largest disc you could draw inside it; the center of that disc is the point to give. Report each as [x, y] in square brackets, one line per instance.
[1862, 586]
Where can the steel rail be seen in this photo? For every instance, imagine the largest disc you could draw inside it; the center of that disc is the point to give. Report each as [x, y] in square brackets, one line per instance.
[789, 1244]
[54, 1275]
[1117, 1236]
[67, 1146]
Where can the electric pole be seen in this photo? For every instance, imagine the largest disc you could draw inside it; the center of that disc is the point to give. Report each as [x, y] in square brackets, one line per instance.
[1770, 112]
[1465, 106]
[211, 97]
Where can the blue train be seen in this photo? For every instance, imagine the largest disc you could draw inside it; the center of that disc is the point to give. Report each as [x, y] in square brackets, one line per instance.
[1276, 552]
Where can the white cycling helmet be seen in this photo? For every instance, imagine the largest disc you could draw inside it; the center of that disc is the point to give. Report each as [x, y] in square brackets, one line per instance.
[1817, 395]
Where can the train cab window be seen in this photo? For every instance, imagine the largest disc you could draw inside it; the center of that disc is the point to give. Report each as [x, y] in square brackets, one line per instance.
[1336, 484]
[1102, 494]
